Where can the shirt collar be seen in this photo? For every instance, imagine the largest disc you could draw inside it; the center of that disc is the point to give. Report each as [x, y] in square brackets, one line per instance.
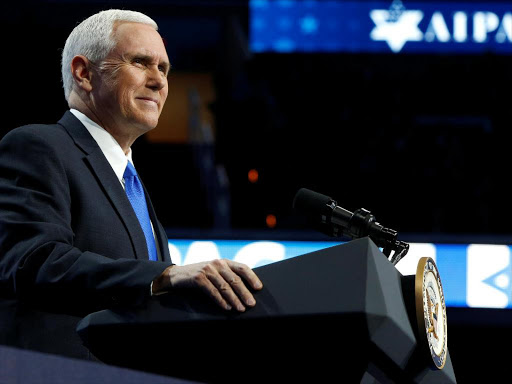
[107, 143]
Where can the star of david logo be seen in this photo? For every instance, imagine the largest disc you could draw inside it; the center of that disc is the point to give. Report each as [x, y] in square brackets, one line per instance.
[501, 281]
[396, 26]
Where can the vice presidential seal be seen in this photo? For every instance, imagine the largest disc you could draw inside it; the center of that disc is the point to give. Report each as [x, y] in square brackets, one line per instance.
[431, 310]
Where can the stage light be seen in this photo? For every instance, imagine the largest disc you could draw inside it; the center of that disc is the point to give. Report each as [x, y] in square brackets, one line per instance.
[253, 176]
[271, 221]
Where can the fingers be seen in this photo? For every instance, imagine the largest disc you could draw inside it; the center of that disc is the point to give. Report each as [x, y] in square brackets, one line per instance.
[227, 277]
[209, 288]
[247, 273]
[230, 286]
[222, 280]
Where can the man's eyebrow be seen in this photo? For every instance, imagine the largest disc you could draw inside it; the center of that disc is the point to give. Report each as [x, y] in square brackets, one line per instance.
[140, 56]
[147, 59]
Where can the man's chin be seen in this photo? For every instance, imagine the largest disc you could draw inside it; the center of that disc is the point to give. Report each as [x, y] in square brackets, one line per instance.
[147, 125]
[147, 128]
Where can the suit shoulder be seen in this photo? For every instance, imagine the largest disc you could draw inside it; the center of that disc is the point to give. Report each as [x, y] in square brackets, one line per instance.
[51, 134]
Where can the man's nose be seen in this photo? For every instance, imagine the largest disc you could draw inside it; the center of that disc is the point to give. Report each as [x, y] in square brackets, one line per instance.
[156, 79]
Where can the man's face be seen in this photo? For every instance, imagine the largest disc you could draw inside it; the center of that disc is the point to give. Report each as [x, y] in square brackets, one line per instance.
[132, 87]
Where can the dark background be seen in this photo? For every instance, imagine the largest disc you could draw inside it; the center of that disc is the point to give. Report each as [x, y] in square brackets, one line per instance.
[420, 140]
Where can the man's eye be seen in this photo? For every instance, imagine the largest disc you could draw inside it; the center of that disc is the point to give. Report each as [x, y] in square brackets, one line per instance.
[138, 61]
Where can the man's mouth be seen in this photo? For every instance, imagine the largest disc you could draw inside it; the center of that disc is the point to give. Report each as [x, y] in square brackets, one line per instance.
[148, 100]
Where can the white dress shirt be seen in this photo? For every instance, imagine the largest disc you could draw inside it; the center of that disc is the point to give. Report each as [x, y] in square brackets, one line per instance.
[108, 145]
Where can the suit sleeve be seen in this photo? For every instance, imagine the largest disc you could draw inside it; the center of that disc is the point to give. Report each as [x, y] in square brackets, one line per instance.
[38, 261]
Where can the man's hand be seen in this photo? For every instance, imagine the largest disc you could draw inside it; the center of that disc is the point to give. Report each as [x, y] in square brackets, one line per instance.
[222, 280]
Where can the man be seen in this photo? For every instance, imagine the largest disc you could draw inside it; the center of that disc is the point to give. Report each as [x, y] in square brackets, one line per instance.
[77, 229]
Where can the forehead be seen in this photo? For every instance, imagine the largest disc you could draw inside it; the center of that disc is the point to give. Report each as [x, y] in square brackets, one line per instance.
[138, 38]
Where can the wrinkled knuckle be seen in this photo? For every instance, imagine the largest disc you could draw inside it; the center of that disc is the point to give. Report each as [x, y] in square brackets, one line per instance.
[236, 280]
[219, 263]
[199, 278]
[217, 296]
[224, 287]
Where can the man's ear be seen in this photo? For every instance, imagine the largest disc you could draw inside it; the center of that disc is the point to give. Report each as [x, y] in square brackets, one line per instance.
[81, 70]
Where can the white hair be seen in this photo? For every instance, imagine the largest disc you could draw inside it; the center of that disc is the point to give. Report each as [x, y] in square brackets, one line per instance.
[93, 38]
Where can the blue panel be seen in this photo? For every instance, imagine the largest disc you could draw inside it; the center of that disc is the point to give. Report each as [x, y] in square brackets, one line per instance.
[378, 26]
[451, 262]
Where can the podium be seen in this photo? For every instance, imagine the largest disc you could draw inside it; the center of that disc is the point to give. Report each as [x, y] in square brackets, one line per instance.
[335, 315]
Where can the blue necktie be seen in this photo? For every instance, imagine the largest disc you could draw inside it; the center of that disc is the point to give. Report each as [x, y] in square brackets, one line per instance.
[135, 194]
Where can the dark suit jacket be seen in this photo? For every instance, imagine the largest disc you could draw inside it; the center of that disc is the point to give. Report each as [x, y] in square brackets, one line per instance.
[69, 238]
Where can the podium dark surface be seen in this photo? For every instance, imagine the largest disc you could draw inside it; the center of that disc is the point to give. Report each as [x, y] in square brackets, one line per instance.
[22, 366]
[333, 315]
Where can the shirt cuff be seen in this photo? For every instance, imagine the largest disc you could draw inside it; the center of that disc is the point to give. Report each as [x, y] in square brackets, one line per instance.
[155, 294]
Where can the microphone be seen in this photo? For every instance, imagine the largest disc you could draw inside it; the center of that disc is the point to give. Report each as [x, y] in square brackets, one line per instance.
[334, 220]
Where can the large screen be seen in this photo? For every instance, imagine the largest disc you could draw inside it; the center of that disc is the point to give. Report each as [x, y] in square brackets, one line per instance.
[473, 275]
[286, 26]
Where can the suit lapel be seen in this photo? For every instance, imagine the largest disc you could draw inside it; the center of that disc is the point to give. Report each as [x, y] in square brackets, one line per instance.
[117, 196]
[108, 180]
